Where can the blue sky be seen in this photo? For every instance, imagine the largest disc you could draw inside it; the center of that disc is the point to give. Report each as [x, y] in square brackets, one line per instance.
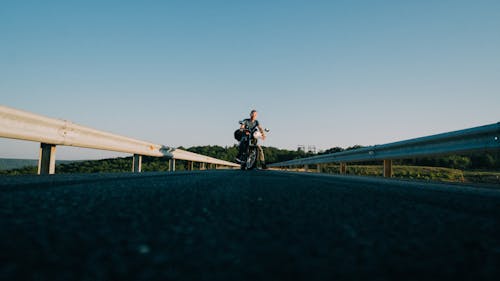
[323, 73]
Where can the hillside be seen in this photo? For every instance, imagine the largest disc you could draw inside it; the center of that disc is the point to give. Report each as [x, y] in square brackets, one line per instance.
[11, 163]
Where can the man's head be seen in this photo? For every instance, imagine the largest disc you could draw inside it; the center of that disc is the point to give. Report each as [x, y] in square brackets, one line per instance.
[253, 114]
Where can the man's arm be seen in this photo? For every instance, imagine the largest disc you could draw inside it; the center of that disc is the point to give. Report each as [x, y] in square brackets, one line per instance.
[262, 132]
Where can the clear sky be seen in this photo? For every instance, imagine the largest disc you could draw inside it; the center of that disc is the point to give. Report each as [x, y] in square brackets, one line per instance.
[324, 73]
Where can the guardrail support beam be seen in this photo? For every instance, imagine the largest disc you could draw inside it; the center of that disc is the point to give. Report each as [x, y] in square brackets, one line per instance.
[171, 165]
[137, 163]
[47, 159]
[388, 168]
[343, 168]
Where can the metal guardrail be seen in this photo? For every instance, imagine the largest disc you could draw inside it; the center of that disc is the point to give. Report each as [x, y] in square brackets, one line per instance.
[478, 138]
[22, 125]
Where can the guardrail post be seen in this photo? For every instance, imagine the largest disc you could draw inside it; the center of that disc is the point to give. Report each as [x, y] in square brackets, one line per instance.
[189, 165]
[202, 166]
[388, 168]
[137, 163]
[318, 168]
[47, 159]
[171, 165]
[306, 168]
[343, 168]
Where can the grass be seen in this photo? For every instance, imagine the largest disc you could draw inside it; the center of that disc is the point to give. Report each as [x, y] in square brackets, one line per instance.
[404, 172]
[419, 173]
[482, 177]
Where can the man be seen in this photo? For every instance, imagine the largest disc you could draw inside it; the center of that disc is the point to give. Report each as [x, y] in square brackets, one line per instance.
[250, 124]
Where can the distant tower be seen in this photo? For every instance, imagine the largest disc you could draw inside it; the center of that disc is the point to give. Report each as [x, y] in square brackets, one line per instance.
[301, 147]
[311, 149]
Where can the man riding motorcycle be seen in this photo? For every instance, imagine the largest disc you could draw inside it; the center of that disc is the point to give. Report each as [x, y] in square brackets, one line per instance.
[247, 126]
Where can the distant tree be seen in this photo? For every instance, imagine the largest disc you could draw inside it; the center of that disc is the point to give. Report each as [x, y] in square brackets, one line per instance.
[332, 150]
[354, 147]
[483, 161]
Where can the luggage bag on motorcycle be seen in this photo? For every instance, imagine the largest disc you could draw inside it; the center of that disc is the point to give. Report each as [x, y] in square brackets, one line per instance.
[238, 135]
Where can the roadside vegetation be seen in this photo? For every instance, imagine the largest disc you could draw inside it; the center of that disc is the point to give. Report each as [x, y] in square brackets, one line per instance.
[481, 167]
[420, 173]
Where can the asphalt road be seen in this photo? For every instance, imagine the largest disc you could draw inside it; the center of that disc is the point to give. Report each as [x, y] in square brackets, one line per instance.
[235, 225]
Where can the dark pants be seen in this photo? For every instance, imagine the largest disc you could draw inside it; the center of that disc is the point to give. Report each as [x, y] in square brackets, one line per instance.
[242, 147]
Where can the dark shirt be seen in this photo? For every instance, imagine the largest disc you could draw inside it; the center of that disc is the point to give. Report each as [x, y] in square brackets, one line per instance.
[250, 125]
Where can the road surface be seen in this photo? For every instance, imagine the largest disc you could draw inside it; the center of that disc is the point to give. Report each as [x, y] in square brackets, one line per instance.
[235, 225]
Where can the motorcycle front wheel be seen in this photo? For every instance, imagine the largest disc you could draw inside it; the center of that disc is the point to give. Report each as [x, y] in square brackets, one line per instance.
[250, 161]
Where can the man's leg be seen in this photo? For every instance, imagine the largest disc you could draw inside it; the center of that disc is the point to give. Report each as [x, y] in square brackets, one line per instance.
[261, 157]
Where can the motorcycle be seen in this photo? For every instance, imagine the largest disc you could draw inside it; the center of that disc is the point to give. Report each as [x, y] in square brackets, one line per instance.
[249, 149]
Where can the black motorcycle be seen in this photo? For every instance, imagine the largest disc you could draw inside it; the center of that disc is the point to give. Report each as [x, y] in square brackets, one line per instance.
[249, 149]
